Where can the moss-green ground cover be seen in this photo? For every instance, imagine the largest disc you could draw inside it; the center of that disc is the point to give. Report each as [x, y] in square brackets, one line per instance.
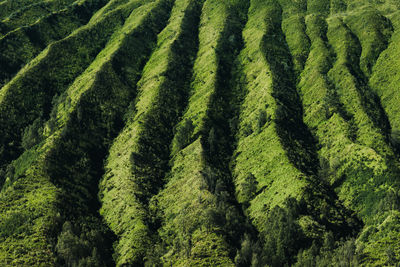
[199, 132]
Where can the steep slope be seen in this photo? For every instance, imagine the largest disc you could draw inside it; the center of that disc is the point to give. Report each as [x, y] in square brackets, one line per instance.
[200, 223]
[30, 13]
[385, 76]
[37, 36]
[199, 133]
[138, 158]
[79, 154]
[44, 78]
[345, 114]
[28, 9]
[275, 166]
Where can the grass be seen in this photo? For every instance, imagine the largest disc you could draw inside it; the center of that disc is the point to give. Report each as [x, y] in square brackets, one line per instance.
[284, 166]
[203, 82]
[336, 120]
[375, 39]
[42, 180]
[56, 75]
[37, 36]
[268, 160]
[259, 132]
[352, 138]
[293, 26]
[363, 113]
[196, 184]
[129, 182]
[188, 239]
[385, 76]
[19, 13]
[28, 15]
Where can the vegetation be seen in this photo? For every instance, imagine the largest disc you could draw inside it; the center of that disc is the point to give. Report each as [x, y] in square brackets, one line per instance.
[199, 133]
[138, 157]
[203, 225]
[10, 9]
[29, 14]
[35, 37]
[56, 76]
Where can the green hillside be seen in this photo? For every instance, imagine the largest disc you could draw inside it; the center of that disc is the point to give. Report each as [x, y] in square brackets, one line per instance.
[200, 133]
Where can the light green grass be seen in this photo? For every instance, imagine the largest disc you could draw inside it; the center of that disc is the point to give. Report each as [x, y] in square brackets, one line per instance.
[260, 151]
[191, 236]
[23, 44]
[386, 76]
[27, 96]
[187, 196]
[157, 107]
[294, 29]
[359, 160]
[35, 187]
[19, 13]
[373, 30]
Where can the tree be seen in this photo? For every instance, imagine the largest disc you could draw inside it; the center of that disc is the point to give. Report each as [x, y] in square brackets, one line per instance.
[249, 187]
[182, 136]
[68, 245]
[33, 134]
[245, 254]
[261, 120]
[283, 235]
[212, 141]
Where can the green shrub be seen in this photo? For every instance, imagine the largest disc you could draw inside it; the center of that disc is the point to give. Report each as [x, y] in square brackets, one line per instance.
[33, 134]
[183, 135]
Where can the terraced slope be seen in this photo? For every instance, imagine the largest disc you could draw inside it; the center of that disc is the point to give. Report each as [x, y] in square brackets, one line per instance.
[199, 133]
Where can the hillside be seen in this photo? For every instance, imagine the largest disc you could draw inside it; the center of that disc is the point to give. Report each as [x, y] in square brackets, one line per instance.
[199, 133]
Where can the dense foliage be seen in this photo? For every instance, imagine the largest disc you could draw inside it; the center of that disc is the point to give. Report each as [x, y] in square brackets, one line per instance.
[199, 133]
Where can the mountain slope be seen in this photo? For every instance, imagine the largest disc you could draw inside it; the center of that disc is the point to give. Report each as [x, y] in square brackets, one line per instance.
[199, 133]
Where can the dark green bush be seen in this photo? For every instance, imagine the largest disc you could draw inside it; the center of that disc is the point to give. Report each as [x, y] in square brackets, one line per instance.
[183, 135]
[33, 134]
